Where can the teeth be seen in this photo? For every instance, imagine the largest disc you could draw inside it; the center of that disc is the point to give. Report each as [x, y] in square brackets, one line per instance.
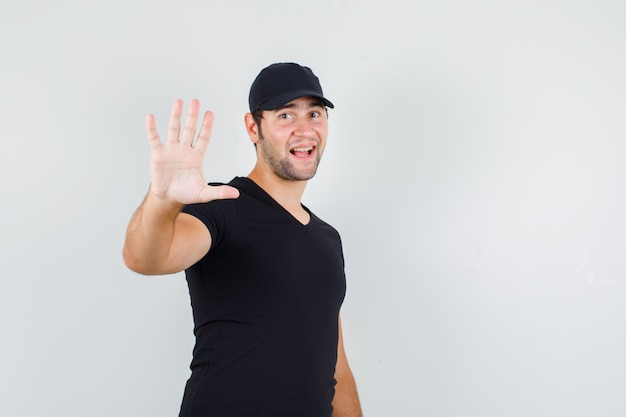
[309, 149]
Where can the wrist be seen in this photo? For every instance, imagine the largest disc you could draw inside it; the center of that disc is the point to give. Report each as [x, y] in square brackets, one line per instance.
[162, 202]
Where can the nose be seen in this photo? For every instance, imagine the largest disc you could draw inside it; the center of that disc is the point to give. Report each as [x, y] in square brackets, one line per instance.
[304, 127]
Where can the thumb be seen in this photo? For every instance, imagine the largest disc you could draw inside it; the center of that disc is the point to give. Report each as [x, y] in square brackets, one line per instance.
[218, 192]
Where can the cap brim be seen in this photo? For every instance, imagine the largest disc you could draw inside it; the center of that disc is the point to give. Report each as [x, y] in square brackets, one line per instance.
[285, 98]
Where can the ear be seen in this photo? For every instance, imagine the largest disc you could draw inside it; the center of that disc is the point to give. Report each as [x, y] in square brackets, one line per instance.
[251, 128]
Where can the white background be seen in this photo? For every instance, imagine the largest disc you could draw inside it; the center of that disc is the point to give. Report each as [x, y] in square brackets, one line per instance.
[475, 169]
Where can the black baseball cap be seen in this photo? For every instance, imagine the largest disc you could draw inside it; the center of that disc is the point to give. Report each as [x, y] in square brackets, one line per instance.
[280, 83]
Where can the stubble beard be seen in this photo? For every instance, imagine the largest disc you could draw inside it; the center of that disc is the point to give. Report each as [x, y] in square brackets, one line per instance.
[281, 166]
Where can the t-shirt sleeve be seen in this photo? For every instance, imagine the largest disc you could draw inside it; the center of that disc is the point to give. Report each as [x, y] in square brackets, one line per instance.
[215, 216]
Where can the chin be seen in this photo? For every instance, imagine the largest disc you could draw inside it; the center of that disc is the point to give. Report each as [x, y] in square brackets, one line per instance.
[288, 172]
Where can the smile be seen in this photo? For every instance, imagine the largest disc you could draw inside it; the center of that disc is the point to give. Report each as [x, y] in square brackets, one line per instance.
[302, 152]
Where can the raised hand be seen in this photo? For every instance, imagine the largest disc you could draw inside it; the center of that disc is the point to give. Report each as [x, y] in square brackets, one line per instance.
[176, 166]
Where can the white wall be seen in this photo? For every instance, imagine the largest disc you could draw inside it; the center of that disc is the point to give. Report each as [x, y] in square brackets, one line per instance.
[475, 170]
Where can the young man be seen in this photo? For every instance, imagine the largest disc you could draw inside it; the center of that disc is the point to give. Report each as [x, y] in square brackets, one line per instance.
[266, 276]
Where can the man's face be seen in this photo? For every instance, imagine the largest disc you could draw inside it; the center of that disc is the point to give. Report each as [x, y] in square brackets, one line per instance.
[292, 138]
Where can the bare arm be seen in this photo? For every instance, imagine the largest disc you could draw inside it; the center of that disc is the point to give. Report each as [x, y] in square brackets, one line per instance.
[160, 239]
[346, 402]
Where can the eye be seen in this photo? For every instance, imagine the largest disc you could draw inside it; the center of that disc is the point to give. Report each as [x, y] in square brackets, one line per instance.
[315, 114]
[285, 116]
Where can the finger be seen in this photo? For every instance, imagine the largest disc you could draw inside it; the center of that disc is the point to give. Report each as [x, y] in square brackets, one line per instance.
[191, 122]
[220, 192]
[153, 135]
[174, 126]
[205, 132]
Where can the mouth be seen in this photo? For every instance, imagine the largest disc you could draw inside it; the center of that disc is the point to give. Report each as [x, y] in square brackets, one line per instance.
[303, 152]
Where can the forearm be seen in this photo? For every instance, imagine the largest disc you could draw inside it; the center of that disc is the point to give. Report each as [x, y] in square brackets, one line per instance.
[150, 234]
[346, 402]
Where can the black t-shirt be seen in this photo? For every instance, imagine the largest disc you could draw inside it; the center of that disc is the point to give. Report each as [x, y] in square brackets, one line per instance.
[265, 301]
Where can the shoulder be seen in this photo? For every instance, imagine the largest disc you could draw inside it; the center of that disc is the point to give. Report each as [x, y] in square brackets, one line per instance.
[324, 227]
[315, 219]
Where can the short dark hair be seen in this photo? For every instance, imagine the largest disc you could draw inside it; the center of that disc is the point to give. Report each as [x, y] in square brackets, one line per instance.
[257, 116]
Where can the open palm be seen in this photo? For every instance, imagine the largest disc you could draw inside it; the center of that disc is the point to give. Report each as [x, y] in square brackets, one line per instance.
[176, 166]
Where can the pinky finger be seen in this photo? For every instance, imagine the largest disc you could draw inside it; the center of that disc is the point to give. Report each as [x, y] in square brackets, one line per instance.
[153, 135]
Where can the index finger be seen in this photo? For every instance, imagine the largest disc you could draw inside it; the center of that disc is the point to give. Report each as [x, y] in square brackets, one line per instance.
[204, 137]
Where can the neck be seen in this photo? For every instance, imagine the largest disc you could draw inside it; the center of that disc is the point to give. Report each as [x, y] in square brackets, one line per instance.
[287, 193]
